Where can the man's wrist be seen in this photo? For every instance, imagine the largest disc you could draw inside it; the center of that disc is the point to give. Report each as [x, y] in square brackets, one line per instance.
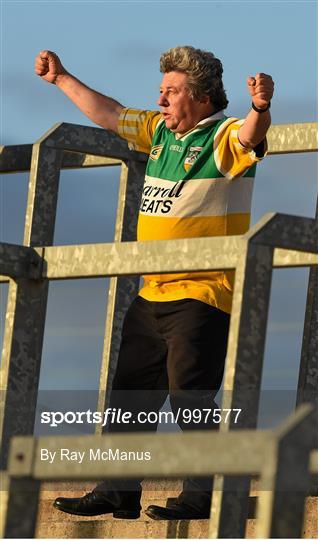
[60, 78]
[261, 110]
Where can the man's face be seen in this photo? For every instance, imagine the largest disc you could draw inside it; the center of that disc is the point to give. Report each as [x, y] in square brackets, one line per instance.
[180, 111]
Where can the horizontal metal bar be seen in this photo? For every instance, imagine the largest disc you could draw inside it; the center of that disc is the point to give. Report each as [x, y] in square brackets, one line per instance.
[282, 139]
[283, 258]
[72, 159]
[170, 454]
[127, 258]
[91, 140]
[286, 232]
[20, 261]
[293, 138]
[17, 158]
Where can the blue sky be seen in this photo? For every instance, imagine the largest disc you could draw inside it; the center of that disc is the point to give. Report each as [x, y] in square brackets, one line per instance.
[114, 47]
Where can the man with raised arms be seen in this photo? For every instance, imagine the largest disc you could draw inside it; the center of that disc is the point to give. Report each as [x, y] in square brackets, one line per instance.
[198, 183]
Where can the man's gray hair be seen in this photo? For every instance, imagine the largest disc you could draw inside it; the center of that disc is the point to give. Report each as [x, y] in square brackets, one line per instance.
[204, 72]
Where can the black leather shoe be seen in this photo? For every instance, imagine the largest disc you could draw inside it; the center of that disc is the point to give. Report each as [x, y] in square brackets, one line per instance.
[92, 504]
[176, 511]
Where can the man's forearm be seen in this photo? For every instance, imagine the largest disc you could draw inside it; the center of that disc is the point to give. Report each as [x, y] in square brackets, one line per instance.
[102, 110]
[256, 124]
[254, 129]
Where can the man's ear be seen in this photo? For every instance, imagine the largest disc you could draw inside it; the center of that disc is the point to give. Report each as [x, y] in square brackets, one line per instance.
[205, 99]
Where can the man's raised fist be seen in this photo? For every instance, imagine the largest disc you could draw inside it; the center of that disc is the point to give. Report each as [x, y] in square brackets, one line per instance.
[261, 89]
[48, 66]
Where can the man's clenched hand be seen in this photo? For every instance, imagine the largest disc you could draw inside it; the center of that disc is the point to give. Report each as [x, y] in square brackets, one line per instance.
[48, 66]
[102, 110]
[261, 89]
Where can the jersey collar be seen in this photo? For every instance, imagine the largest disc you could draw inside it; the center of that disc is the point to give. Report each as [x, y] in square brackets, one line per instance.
[203, 123]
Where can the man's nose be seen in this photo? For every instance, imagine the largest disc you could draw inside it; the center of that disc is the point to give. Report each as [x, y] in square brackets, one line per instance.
[162, 101]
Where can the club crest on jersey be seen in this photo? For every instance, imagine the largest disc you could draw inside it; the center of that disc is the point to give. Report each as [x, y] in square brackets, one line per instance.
[193, 154]
[155, 152]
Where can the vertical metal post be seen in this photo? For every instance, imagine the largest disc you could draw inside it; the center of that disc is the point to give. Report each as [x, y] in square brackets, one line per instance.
[121, 290]
[307, 390]
[22, 508]
[246, 350]
[23, 489]
[27, 301]
[243, 379]
[285, 478]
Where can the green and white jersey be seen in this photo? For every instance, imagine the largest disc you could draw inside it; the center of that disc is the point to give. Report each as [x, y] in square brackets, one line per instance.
[197, 184]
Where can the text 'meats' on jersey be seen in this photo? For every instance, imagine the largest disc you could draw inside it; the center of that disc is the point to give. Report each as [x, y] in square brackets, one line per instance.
[197, 184]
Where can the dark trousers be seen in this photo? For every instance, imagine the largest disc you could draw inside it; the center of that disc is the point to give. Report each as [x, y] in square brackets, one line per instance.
[176, 348]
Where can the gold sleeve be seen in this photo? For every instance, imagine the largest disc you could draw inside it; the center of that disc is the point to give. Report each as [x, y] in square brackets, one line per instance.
[231, 157]
[137, 127]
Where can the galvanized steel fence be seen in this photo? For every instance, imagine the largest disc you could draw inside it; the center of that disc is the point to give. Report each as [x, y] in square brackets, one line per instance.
[277, 240]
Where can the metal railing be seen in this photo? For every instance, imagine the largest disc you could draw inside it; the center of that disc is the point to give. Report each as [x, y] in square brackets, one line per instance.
[278, 240]
[270, 454]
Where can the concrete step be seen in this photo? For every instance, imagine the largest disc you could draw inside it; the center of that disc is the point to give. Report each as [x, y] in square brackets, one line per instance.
[126, 529]
[55, 524]
[147, 528]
